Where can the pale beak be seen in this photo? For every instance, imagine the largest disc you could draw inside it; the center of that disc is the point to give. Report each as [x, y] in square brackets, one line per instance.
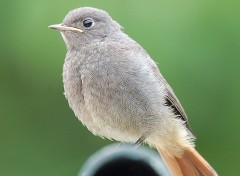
[62, 27]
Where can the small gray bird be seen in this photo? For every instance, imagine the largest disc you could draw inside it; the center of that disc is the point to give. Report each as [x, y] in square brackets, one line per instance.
[116, 90]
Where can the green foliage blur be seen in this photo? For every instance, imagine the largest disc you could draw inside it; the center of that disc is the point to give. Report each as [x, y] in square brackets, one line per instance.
[195, 43]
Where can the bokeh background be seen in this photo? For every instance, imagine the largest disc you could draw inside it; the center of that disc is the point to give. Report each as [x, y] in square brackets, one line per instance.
[197, 46]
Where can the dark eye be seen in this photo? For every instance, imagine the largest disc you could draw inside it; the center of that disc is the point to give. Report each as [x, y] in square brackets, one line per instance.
[87, 22]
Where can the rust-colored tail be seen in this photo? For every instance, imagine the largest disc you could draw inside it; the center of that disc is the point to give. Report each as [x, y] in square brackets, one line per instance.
[191, 163]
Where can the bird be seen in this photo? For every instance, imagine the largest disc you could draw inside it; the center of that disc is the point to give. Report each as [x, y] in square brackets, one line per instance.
[117, 91]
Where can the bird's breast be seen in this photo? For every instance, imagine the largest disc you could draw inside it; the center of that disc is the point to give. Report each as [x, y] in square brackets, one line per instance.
[114, 95]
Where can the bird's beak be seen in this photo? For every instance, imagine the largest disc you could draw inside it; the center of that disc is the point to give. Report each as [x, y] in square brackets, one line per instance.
[62, 27]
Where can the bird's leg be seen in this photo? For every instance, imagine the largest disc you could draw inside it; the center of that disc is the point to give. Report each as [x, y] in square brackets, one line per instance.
[141, 139]
[139, 142]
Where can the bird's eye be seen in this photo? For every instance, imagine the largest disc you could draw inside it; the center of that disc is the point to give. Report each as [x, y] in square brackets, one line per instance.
[87, 22]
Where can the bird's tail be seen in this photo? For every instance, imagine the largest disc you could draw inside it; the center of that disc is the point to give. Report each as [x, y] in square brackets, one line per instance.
[191, 163]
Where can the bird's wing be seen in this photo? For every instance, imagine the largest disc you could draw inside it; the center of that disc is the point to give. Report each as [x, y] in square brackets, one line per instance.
[171, 99]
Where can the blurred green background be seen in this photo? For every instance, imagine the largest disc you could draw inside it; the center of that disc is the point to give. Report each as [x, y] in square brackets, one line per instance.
[197, 46]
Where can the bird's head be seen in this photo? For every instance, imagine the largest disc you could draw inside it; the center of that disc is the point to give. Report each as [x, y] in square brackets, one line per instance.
[86, 25]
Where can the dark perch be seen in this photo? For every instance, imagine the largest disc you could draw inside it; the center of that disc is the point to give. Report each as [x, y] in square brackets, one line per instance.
[124, 160]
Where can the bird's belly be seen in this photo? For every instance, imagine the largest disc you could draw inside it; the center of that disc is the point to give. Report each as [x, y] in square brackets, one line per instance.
[99, 116]
[100, 127]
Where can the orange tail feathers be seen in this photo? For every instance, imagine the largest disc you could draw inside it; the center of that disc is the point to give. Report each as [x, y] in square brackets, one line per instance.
[191, 163]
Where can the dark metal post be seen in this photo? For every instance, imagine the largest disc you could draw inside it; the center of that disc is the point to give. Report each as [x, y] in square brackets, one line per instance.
[124, 160]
